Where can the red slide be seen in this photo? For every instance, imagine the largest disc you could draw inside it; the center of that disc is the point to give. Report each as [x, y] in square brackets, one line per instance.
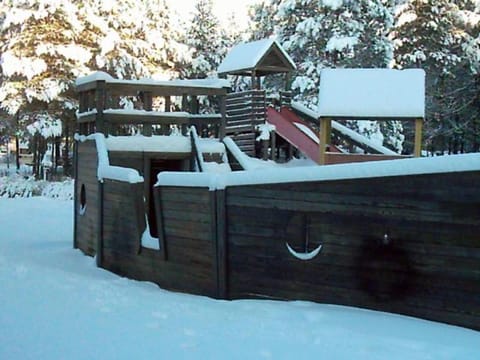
[296, 131]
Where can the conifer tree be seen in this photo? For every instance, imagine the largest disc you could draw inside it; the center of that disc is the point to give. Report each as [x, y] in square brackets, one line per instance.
[431, 34]
[204, 40]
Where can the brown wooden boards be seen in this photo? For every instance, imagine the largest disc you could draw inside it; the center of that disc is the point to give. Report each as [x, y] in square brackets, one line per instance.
[407, 244]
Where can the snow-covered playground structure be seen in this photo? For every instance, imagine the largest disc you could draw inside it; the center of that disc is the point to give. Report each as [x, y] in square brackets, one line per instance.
[167, 205]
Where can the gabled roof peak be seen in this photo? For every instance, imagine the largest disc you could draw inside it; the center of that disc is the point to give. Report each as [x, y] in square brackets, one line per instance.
[265, 56]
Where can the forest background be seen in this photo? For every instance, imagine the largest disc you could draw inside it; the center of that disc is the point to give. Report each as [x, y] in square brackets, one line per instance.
[46, 44]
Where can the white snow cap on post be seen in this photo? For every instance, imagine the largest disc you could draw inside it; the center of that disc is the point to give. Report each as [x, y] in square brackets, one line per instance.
[372, 93]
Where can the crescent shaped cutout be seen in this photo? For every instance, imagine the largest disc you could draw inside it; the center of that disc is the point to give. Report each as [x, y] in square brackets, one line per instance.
[304, 256]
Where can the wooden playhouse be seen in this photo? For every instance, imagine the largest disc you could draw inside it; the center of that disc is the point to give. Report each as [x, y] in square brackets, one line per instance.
[164, 206]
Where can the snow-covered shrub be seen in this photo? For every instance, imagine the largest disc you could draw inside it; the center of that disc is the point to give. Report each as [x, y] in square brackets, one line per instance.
[59, 190]
[21, 186]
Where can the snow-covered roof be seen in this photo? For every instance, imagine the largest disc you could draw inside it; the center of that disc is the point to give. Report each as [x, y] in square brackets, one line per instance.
[374, 169]
[245, 57]
[372, 93]
[213, 83]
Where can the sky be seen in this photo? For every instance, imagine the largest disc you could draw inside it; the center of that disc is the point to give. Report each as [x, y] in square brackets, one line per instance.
[221, 8]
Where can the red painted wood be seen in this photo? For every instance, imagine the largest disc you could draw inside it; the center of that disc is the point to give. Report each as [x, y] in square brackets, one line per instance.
[285, 127]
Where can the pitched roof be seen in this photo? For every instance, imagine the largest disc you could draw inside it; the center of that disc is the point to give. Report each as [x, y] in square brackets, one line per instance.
[264, 56]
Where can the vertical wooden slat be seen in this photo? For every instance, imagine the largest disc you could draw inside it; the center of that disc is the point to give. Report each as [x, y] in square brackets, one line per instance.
[223, 112]
[147, 105]
[99, 243]
[325, 129]
[75, 194]
[157, 193]
[418, 137]
[220, 236]
[100, 106]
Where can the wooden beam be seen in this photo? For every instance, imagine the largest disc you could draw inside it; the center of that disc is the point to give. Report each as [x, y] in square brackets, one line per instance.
[325, 131]
[418, 137]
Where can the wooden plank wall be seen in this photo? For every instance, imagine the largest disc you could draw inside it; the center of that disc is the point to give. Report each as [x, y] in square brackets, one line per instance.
[429, 269]
[188, 237]
[87, 224]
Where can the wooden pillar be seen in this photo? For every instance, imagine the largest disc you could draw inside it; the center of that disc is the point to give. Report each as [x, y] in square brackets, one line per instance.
[100, 98]
[184, 108]
[147, 105]
[254, 83]
[418, 137]
[325, 131]
[99, 244]
[168, 103]
[219, 233]
[223, 112]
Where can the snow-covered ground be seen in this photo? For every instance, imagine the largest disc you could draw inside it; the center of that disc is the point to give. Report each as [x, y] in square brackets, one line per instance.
[55, 304]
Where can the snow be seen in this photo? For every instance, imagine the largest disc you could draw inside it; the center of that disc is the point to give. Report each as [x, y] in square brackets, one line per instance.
[265, 130]
[213, 83]
[372, 93]
[104, 169]
[364, 170]
[155, 143]
[56, 304]
[246, 56]
[307, 131]
[148, 241]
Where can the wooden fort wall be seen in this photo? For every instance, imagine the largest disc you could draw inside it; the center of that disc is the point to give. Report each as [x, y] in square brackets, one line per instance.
[186, 259]
[86, 224]
[405, 244]
[430, 268]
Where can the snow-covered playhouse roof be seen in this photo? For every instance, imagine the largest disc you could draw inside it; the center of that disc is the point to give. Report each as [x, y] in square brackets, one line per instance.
[372, 93]
[263, 57]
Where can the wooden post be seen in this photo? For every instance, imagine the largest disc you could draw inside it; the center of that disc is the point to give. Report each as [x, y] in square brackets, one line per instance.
[100, 98]
[273, 145]
[254, 83]
[147, 105]
[219, 235]
[75, 194]
[99, 245]
[223, 112]
[157, 194]
[168, 103]
[418, 137]
[325, 131]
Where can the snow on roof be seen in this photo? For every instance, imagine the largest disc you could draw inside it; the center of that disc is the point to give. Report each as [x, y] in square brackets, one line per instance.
[246, 56]
[375, 169]
[102, 76]
[372, 93]
[156, 143]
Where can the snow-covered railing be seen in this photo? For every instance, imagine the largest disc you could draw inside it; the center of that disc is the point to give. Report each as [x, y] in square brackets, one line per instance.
[102, 76]
[104, 169]
[353, 135]
[365, 170]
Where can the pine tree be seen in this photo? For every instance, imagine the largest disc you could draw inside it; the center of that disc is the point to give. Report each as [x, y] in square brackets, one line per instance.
[430, 34]
[320, 34]
[46, 44]
[204, 38]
